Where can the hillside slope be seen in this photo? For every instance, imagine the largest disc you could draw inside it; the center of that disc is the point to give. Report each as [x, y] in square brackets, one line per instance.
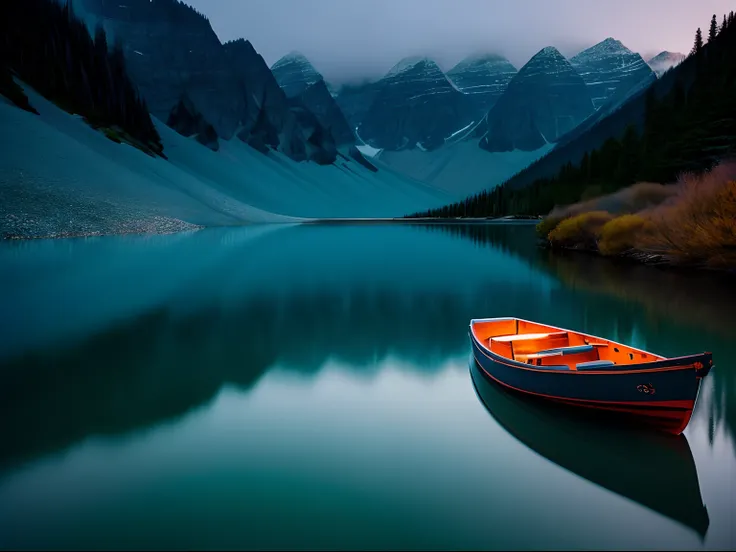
[58, 176]
[461, 168]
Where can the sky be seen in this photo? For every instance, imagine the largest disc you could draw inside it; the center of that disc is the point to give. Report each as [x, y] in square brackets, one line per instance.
[352, 40]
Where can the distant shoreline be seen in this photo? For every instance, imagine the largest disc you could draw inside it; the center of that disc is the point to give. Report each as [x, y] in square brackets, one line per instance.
[164, 225]
[423, 220]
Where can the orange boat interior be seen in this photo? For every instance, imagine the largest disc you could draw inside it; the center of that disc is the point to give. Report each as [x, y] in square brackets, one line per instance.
[540, 345]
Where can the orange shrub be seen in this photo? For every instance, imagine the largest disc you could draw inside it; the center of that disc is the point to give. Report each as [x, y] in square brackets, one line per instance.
[633, 199]
[690, 222]
[546, 225]
[581, 230]
[699, 226]
[623, 234]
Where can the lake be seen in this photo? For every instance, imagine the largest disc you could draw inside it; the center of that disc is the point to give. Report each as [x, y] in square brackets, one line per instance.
[311, 387]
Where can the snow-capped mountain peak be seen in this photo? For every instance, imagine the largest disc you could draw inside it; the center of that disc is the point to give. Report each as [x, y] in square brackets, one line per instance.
[547, 61]
[664, 61]
[608, 68]
[481, 62]
[295, 73]
[484, 76]
[292, 57]
[548, 51]
[544, 100]
[416, 106]
[604, 49]
[409, 63]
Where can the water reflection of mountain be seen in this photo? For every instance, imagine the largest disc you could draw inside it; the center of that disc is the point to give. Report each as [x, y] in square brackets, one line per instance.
[159, 328]
[655, 470]
[111, 335]
[668, 312]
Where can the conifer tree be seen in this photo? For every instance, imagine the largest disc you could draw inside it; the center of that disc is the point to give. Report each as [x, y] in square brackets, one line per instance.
[724, 24]
[698, 42]
[713, 31]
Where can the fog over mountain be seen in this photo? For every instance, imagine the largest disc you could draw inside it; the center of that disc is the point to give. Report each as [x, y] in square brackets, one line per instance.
[350, 41]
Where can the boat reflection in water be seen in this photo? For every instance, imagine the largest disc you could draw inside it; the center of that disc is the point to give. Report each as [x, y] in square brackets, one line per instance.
[655, 469]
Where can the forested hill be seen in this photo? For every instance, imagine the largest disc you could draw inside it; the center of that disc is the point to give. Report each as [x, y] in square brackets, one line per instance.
[50, 49]
[688, 128]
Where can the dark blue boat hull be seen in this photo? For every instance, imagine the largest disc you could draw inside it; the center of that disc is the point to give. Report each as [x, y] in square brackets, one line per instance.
[661, 393]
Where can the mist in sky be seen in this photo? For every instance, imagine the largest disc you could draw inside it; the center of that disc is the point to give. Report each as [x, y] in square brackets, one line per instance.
[351, 40]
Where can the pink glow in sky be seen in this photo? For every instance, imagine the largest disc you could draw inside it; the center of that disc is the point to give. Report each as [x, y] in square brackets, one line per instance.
[353, 39]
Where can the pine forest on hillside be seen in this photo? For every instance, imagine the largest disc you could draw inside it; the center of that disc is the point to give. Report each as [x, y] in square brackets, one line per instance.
[50, 49]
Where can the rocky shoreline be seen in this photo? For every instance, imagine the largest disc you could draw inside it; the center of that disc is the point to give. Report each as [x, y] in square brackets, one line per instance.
[29, 229]
[634, 257]
[36, 214]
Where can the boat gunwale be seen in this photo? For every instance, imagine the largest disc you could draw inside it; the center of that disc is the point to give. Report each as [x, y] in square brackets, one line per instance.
[646, 366]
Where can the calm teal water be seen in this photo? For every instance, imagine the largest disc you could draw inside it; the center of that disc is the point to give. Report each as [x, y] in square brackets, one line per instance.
[310, 387]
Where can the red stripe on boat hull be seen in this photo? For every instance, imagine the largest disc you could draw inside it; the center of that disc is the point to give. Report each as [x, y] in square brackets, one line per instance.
[670, 416]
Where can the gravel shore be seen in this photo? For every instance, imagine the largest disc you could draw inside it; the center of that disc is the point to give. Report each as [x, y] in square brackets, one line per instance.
[27, 213]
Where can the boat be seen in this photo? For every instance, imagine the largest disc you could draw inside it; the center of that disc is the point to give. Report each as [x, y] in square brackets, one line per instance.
[653, 469]
[590, 372]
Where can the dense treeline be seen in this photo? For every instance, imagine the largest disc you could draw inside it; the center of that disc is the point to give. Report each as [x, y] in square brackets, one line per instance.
[688, 129]
[50, 49]
[171, 11]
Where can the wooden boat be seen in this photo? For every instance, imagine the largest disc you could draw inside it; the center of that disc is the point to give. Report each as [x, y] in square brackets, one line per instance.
[587, 371]
[654, 469]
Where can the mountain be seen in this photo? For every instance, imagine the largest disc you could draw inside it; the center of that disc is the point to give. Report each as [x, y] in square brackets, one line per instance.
[317, 98]
[615, 102]
[664, 61]
[187, 121]
[684, 122]
[544, 100]
[298, 78]
[609, 67]
[416, 106]
[320, 145]
[269, 119]
[484, 77]
[356, 99]
[295, 74]
[171, 51]
[571, 148]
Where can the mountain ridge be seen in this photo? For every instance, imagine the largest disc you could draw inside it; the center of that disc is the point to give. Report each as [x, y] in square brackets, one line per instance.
[415, 105]
[608, 67]
[531, 112]
[483, 76]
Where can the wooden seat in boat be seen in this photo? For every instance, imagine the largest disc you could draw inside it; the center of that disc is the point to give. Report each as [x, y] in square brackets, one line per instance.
[594, 364]
[529, 336]
[561, 351]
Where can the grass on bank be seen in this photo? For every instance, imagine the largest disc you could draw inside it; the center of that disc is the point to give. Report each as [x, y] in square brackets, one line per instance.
[691, 222]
